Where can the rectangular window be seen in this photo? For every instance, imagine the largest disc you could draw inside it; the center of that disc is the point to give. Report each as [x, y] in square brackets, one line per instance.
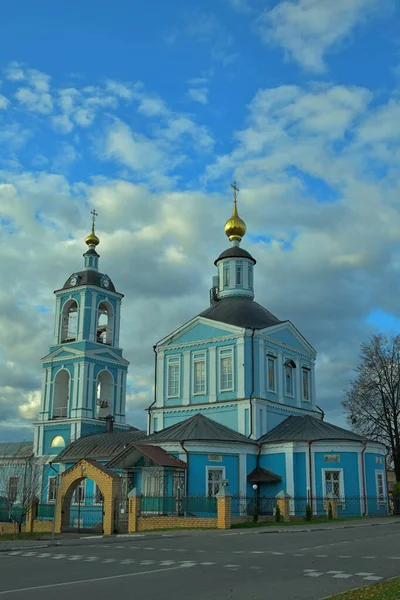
[12, 491]
[306, 384]
[271, 374]
[226, 276]
[333, 483]
[250, 277]
[199, 376]
[214, 481]
[52, 489]
[289, 380]
[239, 274]
[226, 372]
[79, 493]
[380, 493]
[173, 378]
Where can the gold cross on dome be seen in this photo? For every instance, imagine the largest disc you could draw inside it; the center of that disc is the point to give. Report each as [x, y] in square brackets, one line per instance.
[235, 190]
[94, 215]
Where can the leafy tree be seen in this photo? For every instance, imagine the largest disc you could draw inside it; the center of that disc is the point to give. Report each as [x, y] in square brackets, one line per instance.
[308, 512]
[372, 403]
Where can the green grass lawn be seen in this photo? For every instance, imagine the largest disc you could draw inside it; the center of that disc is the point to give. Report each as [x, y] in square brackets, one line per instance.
[22, 536]
[388, 590]
[314, 521]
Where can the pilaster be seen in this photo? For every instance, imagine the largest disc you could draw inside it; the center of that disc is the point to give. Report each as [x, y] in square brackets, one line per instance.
[262, 367]
[160, 379]
[298, 382]
[281, 389]
[93, 315]
[117, 324]
[186, 378]
[240, 367]
[212, 381]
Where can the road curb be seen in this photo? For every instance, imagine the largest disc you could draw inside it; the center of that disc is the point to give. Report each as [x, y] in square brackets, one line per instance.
[310, 529]
[33, 547]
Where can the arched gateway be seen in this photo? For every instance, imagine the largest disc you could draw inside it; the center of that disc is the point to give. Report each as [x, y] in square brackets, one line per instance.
[106, 480]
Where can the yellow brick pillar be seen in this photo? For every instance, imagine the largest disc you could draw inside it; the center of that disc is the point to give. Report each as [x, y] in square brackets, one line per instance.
[283, 500]
[332, 500]
[224, 508]
[135, 502]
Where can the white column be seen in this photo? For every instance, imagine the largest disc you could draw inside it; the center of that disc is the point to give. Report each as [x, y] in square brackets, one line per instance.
[262, 367]
[117, 323]
[81, 316]
[212, 377]
[186, 377]
[83, 375]
[160, 379]
[57, 320]
[298, 382]
[93, 319]
[74, 399]
[313, 389]
[118, 396]
[240, 367]
[92, 390]
[281, 389]
[289, 467]
[123, 396]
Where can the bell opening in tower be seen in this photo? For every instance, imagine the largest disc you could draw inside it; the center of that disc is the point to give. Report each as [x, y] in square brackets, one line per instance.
[69, 327]
[104, 331]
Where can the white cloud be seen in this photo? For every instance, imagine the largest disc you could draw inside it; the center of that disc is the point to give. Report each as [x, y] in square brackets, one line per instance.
[4, 102]
[199, 94]
[308, 29]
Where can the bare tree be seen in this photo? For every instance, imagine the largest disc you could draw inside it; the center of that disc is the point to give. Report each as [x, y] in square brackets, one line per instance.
[372, 403]
[19, 488]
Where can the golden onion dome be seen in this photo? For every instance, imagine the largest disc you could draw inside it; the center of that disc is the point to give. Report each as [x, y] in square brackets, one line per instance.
[235, 227]
[92, 239]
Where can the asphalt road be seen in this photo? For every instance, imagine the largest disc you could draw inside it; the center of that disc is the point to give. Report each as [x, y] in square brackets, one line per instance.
[206, 565]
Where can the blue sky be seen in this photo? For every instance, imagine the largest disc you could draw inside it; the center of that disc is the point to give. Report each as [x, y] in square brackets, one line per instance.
[148, 111]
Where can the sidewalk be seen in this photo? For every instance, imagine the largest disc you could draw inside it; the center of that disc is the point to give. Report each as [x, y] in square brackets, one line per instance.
[76, 539]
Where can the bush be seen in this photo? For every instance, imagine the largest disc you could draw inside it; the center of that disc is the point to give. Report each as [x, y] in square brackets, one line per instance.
[256, 513]
[330, 511]
[396, 490]
[308, 512]
[277, 514]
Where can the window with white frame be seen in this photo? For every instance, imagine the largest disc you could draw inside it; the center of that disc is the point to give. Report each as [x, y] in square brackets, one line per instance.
[289, 388]
[251, 277]
[226, 371]
[380, 490]
[215, 477]
[333, 483]
[239, 273]
[226, 276]
[271, 362]
[305, 374]
[12, 489]
[52, 489]
[173, 377]
[199, 375]
[79, 493]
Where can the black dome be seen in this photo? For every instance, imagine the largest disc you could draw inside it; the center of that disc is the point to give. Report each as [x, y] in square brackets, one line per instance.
[242, 312]
[89, 277]
[235, 252]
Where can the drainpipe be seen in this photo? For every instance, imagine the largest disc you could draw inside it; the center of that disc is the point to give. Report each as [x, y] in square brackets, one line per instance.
[310, 478]
[386, 480]
[155, 389]
[364, 444]
[321, 411]
[187, 465]
[252, 384]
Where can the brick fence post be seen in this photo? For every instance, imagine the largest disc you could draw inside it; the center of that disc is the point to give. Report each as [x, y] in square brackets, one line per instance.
[135, 502]
[282, 500]
[224, 508]
[333, 501]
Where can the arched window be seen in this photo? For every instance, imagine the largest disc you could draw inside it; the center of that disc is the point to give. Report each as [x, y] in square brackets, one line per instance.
[57, 442]
[104, 394]
[61, 394]
[289, 387]
[69, 324]
[104, 332]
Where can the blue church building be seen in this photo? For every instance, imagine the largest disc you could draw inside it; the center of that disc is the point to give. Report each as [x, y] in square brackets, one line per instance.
[234, 402]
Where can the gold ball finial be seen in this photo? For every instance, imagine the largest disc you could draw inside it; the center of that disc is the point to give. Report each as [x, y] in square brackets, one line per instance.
[235, 227]
[92, 239]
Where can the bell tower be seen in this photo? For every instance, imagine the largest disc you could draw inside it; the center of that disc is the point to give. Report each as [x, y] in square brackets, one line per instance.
[84, 373]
